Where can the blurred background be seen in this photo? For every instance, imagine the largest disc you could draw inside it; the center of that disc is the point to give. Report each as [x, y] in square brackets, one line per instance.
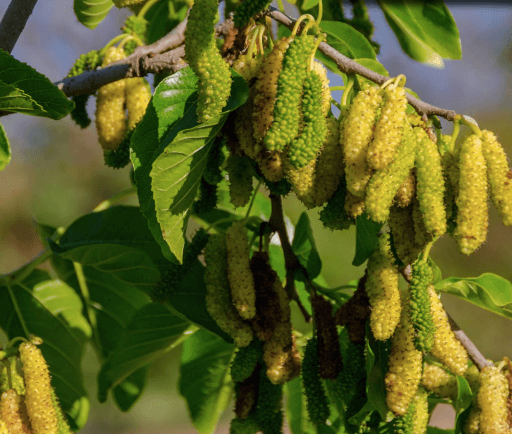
[57, 174]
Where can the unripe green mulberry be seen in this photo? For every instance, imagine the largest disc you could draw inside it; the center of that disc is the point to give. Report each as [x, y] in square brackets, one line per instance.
[421, 236]
[248, 9]
[240, 276]
[38, 398]
[125, 3]
[138, 95]
[404, 368]
[354, 205]
[13, 413]
[203, 56]
[240, 180]
[218, 295]
[382, 290]
[306, 146]
[420, 307]
[439, 381]
[357, 134]
[388, 129]
[120, 157]
[401, 225]
[62, 423]
[430, 184]
[285, 126]
[333, 215]
[499, 176]
[329, 166]
[384, 183]
[415, 421]
[243, 426]
[317, 404]
[245, 361]
[472, 423]
[492, 400]
[110, 100]
[447, 348]
[473, 213]
[265, 90]
[268, 413]
[406, 191]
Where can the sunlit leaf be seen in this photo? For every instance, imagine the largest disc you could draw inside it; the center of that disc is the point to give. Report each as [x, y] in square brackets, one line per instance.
[92, 12]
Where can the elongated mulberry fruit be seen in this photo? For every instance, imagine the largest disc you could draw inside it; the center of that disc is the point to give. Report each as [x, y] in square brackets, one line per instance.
[245, 361]
[357, 134]
[473, 213]
[388, 129]
[13, 413]
[240, 180]
[492, 400]
[382, 290]
[203, 56]
[499, 176]
[437, 380]
[218, 295]
[248, 9]
[110, 101]
[404, 368]
[385, 183]
[138, 95]
[401, 225]
[447, 348]
[38, 395]
[302, 180]
[243, 426]
[317, 404]
[285, 125]
[430, 184]
[415, 421]
[406, 191]
[268, 413]
[240, 276]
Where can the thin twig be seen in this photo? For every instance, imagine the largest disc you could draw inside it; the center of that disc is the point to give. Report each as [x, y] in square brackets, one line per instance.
[14, 21]
[349, 66]
[290, 259]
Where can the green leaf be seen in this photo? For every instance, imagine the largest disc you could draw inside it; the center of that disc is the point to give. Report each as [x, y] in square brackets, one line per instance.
[296, 411]
[464, 397]
[377, 354]
[367, 238]
[127, 393]
[425, 30]
[51, 310]
[347, 41]
[91, 12]
[171, 110]
[489, 291]
[438, 276]
[14, 99]
[308, 4]
[163, 17]
[304, 247]
[48, 100]
[204, 380]
[5, 149]
[152, 332]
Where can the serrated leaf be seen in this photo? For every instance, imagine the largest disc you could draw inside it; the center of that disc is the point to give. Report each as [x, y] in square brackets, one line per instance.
[489, 291]
[49, 100]
[425, 30]
[204, 380]
[367, 238]
[296, 411]
[14, 99]
[152, 332]
[5, 149]
[51, 310]
[92, 12]
[377, 354]
[171, 110]
[304, 247]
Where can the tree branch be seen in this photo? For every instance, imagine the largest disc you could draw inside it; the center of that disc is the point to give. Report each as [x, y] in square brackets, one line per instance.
[13, 22]
[349, 66]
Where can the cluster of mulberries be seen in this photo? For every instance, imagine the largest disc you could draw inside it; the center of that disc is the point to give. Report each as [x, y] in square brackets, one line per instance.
[28, 403]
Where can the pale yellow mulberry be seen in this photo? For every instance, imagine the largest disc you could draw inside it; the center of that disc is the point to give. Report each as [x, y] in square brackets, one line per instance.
[326, 92]
[406, 191]
[138, 95]
[492, 400]
[437, 380]
[13, 413]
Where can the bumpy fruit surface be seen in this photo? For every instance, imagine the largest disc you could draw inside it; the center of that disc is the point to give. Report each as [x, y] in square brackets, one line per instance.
[415, 421]
[244, 129]
[302, 180]
[243, 426]
[420, 307]
[218, 294]
[271, 165]
[435, 379]
[268, 413]
[120, 157]
[240, 180]
[472, 423]
[265, 90]
[404, 368]
[401, 225]
[326, 92]
[317, 404]
[492, 400]
[245, 361]
[38, 397]
[406, 191]
[110, 101]
[240, 276]
[473, 213]
[125, 3]
[447, 348]
[354, 205]
[384, 183]
[306, 146]
[247, 9]
[333, 215]
[382, 290]
[430, 184]
[62, 423]
[14, 413]
[421, 236]
[138, 95]
[357, 134]
[204, 58]
[499, 176]
[285, 126]
[388, 129]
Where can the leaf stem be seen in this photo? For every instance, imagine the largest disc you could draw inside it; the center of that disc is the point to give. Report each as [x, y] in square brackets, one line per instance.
[115, 199]
[144, 9]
